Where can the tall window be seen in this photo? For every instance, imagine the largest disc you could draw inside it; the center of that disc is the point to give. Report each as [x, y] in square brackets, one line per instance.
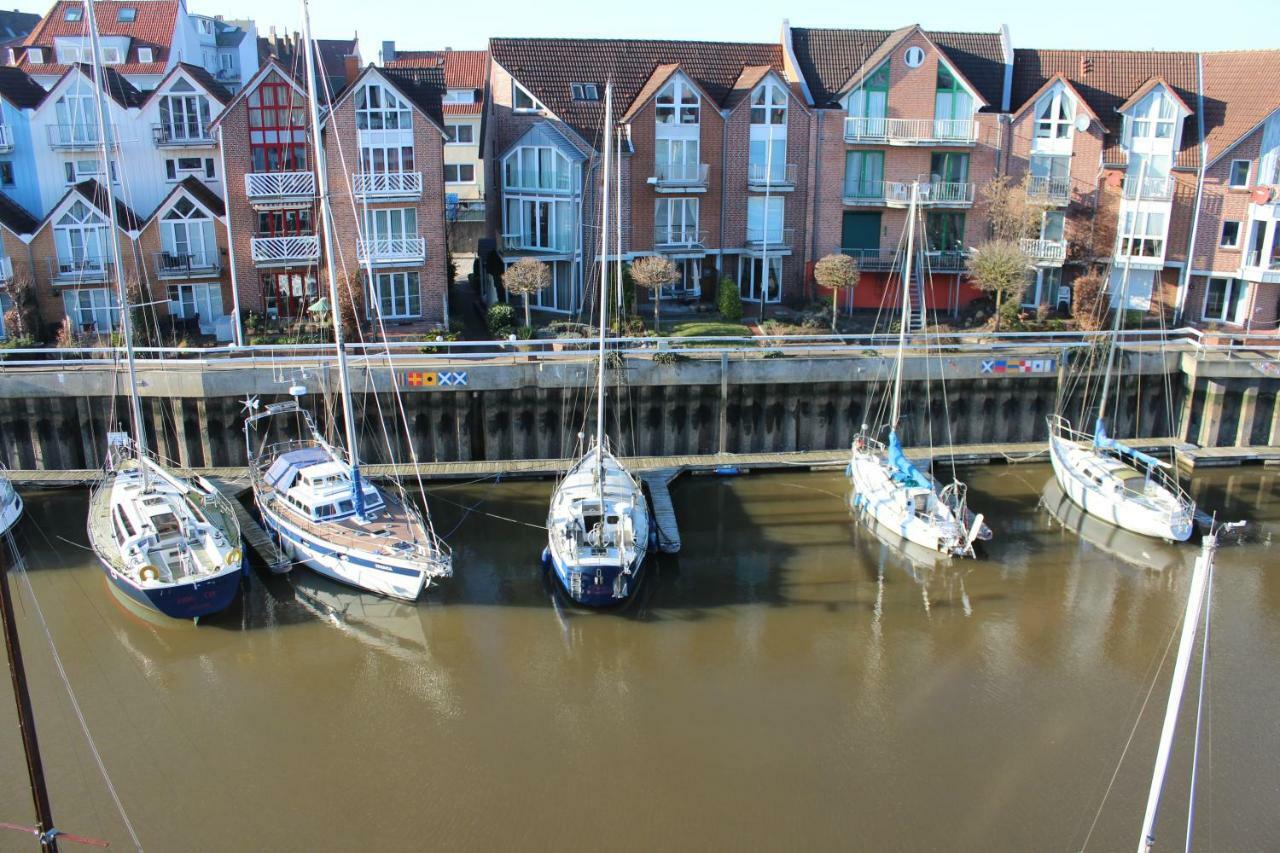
[378, 108]
[288, 294]
[92, 309]
[1142, 233]
[1054, 168]
[396, 296]
[949, 167]
[385, 159]
[202, 301]
[77, 119]
[871, 97]
[1054, 115]
[1053, 226]
[767, 157]
[764, 219]
[756, 279]
[677, 103]
[186, 234]
[535, 167]
[277, 128]
[952, 104]
[184, 114]
[676, 159]
[944, 231]
[536, 223]
[675, 222]
[1154, 117]
[864, 174]
[394, 223]
[1224, 300]
[769, 104]
[80, 236]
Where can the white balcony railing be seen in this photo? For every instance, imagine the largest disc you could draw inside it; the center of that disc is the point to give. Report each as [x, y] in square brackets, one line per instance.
[280, 187]
[73, 135]
[6, 139]
[1153, 189]
[910, 131]
[392, 250]
[887, 259]
[78, 270]
[1265, 269]
[176, 265]
[282, 251]
[758, 238]
[387, 184]
[1052, 190]
[1045, 251]
[678, 238]
[680, 174]
[780, 175]
[175, 136]
[939, 194]
[6, 270]
[865, 193]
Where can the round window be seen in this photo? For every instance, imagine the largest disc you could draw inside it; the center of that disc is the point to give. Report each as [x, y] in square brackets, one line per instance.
[914, 57]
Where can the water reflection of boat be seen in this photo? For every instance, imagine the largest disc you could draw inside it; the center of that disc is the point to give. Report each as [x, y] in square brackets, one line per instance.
[1126, 546]
[915, 558]
[388, 624]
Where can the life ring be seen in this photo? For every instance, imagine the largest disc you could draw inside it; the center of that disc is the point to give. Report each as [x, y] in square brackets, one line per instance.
[234, 556]
[148, 573]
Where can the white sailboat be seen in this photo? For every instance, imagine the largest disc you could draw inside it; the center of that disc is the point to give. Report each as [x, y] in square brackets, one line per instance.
[10, 504]
[169, 544]
[598, 528]
[311, 494]
[887, 486]
[1111, 480]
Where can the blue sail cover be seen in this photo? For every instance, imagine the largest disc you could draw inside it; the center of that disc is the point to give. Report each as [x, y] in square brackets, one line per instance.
[907, 474]
[285, 469]
[1103, 442]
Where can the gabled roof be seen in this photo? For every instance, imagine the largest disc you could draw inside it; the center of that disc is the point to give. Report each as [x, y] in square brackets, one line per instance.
[333, 55]
[19, 89]
[1147, 87]
[1106, 79]
[115, 84]
[202, 78]
[15, 26]
[15, 217]
[463, 69]
[203, 196]
[829, 58]
[92, 192]
[751, 77]
[270, 66]
[1066, 84]
[547, 66]
[153, 27]
[422, 87]
[1239, 94]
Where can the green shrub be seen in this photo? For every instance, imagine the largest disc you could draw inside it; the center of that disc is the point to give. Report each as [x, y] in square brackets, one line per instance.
[668, 357]
[526, 333]
[728, 300]
[500, 319]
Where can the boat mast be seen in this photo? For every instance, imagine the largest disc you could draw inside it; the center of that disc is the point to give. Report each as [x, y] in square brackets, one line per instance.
[326, 248]
[604, 282]
[117, 256]
[1124, 296]
[906, 305]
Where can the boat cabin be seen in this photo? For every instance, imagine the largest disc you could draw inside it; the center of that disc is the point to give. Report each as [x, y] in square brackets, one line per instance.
[312, 483]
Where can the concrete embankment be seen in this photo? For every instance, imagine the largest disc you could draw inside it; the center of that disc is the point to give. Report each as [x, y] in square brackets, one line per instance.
[55, 415]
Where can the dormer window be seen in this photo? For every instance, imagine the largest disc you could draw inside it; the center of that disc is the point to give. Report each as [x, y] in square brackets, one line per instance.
[111, 56]
[73, 13]
[769, 104]
[35, 55]
[678, 103]
[584, 91]
[1054, 113]
[126, 15]
[522, 101]
[1155, 116]
[146, 55]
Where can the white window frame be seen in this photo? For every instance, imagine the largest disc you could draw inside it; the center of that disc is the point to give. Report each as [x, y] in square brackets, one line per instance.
[516, 92]
[35, 55]
[747, 284]
[200, 299]
[196, 230]
[1232, 303]
[405, 290]
[584, 91]
[87, 168]
[69, 54]
[182, 108]
[99, 304]
[111, 55]
[530, 160]
[459, 96]
[84, 236]
[1222, 236]
[1146, 120]
[681, 101]
[146, 55]
[1248, 172]
[390, 112]
[1059, 122]
[763, 226]
[677, 217]
[452, 128]
[390, 223]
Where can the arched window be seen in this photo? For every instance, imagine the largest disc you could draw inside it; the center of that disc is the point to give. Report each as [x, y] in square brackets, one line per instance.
[184, 114]
[80, 235]
[678, 103]
[378, 108]
[1054, 113]
[769, 104]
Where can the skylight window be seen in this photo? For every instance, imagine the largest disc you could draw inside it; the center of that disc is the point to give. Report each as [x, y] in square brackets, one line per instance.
[584, 91]
[73, 13]
[126, 15]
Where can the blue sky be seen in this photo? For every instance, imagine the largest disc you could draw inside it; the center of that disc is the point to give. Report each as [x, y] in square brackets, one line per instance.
[1071, 24]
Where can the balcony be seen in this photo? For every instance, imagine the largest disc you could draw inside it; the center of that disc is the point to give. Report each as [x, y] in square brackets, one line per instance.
[1054, 191]
[530, 244]
[6, 139]
[392, 251]
[78, 271]
[383, 186]
[285, 251]
[1152, 189]
[179, 136]
[880, 260]
[173, 265]
[778, 177]
[1258, 267]
[772, 240]
[280, 189]
[680, 177]
[1045, 253]
[677, 240]
[72, 136]
[6, 270]
[910, 131]
[898, 194]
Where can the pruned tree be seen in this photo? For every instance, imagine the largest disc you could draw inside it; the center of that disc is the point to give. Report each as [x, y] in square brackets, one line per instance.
[654, 272]
[836, 272]
[526, 277]
[1000, 268]
[1012, 212]
[1088, 301]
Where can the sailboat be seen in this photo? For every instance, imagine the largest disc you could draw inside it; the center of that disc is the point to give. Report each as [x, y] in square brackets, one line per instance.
[598, 527]
[310, 493]
[890, 488]
[1109, 479]
[10, 504]
[171, 545]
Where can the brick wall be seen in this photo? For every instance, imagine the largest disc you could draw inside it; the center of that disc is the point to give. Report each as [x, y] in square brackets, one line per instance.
[49, 302]
[1219, 202]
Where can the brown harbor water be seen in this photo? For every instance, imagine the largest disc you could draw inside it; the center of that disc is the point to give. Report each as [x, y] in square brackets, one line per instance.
[789, 683]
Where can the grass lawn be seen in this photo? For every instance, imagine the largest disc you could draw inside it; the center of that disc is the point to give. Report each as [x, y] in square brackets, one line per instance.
[708, 329]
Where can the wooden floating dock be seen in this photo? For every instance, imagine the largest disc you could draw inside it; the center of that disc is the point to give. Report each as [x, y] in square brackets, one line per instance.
[664, 512]
[252, 533]
[1190, 457]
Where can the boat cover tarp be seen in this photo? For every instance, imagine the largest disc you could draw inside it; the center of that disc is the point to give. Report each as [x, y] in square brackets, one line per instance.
[1103, 442]
[907, 474]
[285, 469]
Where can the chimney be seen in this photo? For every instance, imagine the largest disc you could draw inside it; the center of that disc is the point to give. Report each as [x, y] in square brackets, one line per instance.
[1086, 66]
[388, 52]
[351, 67]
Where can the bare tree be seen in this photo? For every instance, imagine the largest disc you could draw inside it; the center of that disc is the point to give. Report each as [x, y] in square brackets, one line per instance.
[1000, 268]
[1088, 301]
[1011, 210]
[20, 319]
[526, 277]
[654, 272]
[836, 271]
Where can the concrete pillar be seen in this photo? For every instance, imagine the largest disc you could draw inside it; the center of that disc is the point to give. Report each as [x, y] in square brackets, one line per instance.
[37, 445]
[87, 433]
[184, 437]
[1274, 438]
[1248, 411]
[206, 447]
[1188, 402]
[722, 432]
[1211, 421]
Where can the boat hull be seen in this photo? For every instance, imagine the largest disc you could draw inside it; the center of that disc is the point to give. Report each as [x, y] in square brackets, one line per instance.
[190, 600]
[1121, 513]
[350, 568]
[10, 512]
[600, 585]
[876, 499]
